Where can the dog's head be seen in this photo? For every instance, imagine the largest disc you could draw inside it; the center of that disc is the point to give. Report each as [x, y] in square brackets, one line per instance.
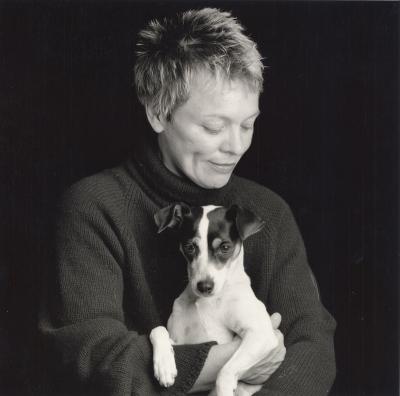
[210, 238]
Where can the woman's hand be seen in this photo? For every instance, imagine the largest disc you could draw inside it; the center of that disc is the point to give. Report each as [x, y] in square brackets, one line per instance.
[260, 372]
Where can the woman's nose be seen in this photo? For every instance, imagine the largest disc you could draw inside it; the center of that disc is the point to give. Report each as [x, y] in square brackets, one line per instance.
[235, 142]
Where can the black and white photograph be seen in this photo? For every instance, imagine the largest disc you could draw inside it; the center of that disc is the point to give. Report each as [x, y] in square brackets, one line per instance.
[199, 198]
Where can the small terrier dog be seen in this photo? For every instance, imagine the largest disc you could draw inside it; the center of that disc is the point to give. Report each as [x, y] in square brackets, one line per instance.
[218, 302]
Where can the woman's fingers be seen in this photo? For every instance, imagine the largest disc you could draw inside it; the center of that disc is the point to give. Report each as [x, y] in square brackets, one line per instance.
[276, 319]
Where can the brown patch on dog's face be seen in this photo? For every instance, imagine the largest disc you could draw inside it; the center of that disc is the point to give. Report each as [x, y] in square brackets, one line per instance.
[189, 234]
[223, 239]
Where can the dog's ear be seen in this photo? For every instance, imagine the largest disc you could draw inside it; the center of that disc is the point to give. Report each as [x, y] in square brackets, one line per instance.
[247, 223]
[171, 216]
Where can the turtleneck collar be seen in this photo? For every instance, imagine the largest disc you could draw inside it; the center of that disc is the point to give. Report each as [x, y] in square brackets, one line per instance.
[165, 187]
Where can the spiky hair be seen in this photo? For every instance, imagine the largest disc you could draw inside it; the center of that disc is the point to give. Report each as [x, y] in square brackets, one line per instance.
[170, 52]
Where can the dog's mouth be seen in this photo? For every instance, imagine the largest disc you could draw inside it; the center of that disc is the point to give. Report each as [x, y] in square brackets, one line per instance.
[205, 295]
[202, 294]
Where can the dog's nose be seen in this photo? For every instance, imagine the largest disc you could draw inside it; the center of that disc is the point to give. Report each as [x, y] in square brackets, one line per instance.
[205, 287]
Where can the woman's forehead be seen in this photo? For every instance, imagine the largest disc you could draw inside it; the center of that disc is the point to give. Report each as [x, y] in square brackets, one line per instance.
[211, 96]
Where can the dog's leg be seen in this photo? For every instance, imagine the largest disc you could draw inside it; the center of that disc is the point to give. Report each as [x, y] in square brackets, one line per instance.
[163, 356]
[251, 351]
[244, 389]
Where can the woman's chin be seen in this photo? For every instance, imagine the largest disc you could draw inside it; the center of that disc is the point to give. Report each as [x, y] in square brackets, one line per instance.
[212, 182]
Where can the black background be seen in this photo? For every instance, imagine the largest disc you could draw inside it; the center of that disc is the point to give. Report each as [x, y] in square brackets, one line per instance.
[327, 141]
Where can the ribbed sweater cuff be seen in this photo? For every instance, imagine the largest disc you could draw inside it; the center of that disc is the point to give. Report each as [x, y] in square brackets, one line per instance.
[189, 362]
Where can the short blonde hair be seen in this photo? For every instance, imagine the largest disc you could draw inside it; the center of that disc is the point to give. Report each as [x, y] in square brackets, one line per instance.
[169, 53]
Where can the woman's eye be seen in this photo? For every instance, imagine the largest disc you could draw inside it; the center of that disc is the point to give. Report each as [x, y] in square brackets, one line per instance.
[213, 129]
[247, 127]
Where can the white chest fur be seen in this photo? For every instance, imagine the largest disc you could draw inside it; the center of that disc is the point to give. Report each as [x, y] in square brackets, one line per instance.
[197, 320]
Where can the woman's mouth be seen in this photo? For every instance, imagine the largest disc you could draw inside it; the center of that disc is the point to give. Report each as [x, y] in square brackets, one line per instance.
[223, 167]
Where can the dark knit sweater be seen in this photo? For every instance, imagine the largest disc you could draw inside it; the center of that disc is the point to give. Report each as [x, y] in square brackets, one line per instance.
[114, 279]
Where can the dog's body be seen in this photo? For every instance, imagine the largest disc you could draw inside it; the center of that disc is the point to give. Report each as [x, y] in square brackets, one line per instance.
[218, 302]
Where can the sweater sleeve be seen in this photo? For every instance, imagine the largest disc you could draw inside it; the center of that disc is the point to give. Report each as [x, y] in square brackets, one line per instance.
[82, 319]
[309, 366]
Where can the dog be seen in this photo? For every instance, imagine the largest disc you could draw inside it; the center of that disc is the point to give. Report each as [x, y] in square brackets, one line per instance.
[218, 303]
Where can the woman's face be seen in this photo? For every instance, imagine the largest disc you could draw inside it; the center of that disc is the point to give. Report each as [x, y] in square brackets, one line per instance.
[210, 132]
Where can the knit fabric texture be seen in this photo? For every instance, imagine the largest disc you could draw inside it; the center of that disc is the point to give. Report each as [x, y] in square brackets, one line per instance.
[114, 279]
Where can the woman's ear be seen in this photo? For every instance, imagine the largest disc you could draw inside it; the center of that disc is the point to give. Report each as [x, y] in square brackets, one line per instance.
[157, 122]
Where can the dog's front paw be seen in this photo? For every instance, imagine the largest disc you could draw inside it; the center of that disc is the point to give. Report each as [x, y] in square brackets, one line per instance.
[165, 368]
[163, 357]
[226, 384]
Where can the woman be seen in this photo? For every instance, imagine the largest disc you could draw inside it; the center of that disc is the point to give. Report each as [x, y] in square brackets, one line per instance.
[199, 78]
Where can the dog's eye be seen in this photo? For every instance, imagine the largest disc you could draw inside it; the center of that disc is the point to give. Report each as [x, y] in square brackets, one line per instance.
[225, 247]
[189, 248]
